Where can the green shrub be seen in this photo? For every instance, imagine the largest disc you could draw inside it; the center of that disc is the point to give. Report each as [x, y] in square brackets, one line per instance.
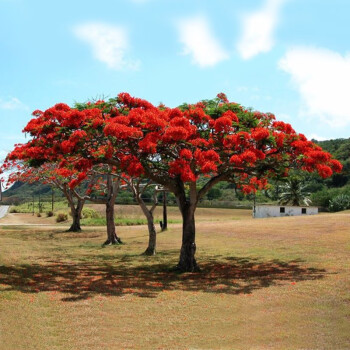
[323, 197]
[89, 213]
[340, 202]
[49, 213]
[14, 210]
[61, 217]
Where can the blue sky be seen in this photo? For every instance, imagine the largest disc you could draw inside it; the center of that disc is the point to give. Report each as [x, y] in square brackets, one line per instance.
[288, 57]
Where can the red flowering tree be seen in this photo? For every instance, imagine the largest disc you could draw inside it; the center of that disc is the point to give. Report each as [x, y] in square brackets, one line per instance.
[95, 184]
[216, 139]
[50, 173]
[78, 134]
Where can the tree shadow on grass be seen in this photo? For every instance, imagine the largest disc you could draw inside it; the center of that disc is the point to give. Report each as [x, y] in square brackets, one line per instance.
[231, 275]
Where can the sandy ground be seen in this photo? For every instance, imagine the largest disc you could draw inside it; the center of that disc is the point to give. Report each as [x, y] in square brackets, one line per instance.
[28, 219]
[130, 211]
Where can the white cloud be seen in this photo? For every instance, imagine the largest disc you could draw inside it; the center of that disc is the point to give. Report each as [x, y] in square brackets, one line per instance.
[199, 42]
[322, 78]
[109, 44]
[258, 29]
[12, 103]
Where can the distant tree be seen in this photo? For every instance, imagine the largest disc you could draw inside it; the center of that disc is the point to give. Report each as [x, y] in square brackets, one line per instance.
[214, 193]
[294, 192]
[56, 177]
[340, 202]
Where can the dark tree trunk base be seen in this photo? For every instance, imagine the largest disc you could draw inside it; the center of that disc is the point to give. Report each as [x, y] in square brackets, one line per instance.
[187, 262]
[183, 269]
[113, 241]
[149, 252]
[74, 229]
[187, 268]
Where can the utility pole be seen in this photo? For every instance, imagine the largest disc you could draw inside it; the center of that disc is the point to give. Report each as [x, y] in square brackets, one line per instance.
[165, 214]
[52, 199]
[254, 205]
[164, 223]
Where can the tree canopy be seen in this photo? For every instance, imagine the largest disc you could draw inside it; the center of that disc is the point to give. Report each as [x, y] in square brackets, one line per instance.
[216, 139]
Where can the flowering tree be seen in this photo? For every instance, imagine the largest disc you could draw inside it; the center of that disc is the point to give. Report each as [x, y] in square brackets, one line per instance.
[215, 139]
[65, 177]
[56, 177]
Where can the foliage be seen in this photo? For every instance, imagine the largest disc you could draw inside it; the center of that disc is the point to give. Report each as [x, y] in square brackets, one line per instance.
[61, 217]
[89, 213]
[340, 202]
[210, 137]
[214, 193]
[27, 206]
[27, 190]
[340, 148]
[293, 191]
[323, 197]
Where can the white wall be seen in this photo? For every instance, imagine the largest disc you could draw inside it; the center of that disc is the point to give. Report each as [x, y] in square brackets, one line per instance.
[266, 211]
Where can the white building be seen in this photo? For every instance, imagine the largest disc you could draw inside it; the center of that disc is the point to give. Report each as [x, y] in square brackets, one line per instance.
[267, 211]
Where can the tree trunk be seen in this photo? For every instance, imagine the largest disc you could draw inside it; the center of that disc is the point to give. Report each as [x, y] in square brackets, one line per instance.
[165, 214]
[76, 215]
[187, 261]
[152, 235]
[112, 190]
[112, 237]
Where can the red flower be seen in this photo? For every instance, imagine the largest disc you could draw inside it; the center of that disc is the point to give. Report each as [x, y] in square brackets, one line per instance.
[259, 134]
[175, 133]
[231, 115]
[236, 160]
[223, 124]
[222, 97]
[186, 154]
[248, 156]
[324, 170]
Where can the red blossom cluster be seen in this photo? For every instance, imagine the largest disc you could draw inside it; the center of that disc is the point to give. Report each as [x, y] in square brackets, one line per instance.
[143, 140]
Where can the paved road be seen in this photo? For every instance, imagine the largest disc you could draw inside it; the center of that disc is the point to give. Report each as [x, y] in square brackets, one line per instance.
[3, 210]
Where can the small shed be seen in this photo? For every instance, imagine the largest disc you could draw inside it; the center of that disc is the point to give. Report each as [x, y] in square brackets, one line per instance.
[267, 211]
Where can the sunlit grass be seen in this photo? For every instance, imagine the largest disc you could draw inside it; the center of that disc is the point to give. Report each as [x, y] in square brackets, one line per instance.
[265, 284]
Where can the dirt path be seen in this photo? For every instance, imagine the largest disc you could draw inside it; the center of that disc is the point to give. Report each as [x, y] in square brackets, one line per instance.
[26, 219]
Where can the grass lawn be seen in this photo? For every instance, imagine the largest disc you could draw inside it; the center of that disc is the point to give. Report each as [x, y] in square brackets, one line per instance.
[279, 283]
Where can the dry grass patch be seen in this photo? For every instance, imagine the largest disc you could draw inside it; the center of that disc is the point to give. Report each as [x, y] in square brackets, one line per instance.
[265, 284]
